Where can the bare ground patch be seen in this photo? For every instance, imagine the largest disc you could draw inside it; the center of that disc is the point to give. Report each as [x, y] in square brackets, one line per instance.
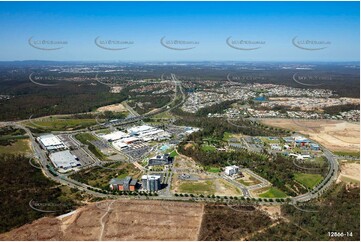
[113, 108]
[349, 171]
[120, 220]
[335, 135]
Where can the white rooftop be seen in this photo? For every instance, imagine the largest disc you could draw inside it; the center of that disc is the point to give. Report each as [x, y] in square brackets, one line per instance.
[64, 159]
[150, 177]
[141, 128]
[231, 167]
[114, 136]
[50, 140]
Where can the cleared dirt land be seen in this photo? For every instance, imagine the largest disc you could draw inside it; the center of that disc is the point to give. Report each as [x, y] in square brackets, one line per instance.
[118, 220]
[350, 172]
[333, 134]
[113, 108]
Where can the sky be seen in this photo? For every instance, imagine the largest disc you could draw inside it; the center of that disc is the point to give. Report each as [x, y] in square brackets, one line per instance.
[256, 31]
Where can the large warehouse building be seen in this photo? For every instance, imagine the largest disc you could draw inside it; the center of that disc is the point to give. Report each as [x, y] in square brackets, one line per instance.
[115, 136]
[51, 142]
[64, 160]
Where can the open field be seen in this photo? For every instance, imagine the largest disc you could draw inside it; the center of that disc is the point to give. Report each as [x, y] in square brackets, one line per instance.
[333, 134]
[350, 173]
[213, 169]
[118, 220]
[206, 185]
[113, 108]
[185, 163]
[20, 146]
[309, 180]
[248, 180]
[271, 193]
[197, 187]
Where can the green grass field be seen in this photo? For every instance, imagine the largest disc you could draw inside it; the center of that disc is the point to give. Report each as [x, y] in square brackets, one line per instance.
[273, 193]
[173, 154]
[208, 148]
[308, 180]
[197, 187]
[213, 169]
[85, 138]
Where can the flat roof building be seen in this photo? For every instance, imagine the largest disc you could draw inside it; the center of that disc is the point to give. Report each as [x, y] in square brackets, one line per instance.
[119, 145]
[64, 160]
[231, 170]
[51, 142]
[164, 159]
[139, 129]
[151, 182]
[115, 136]
[126, 184]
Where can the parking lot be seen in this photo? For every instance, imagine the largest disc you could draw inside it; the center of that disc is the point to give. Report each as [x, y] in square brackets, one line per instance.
[83, 157]
[69, 142]
[103, 146]
[137, 150]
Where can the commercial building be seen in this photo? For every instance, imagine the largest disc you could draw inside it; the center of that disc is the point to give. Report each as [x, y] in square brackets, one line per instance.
[64, 160]
[159, 160]
[119, 145]
[138, 130]
[126, 184]
[314, 146]
[51, 142]
[231, 170]
[301, 141]
[115, 136]
[151, 182]
[148, 133]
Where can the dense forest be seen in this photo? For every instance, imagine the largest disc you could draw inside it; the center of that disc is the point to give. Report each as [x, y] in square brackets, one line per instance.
[338, 210]
[215, 108]
[21, 183]
[222, 223]
[217, 126]
[62, 99]
[9, 135]
[148, 102]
